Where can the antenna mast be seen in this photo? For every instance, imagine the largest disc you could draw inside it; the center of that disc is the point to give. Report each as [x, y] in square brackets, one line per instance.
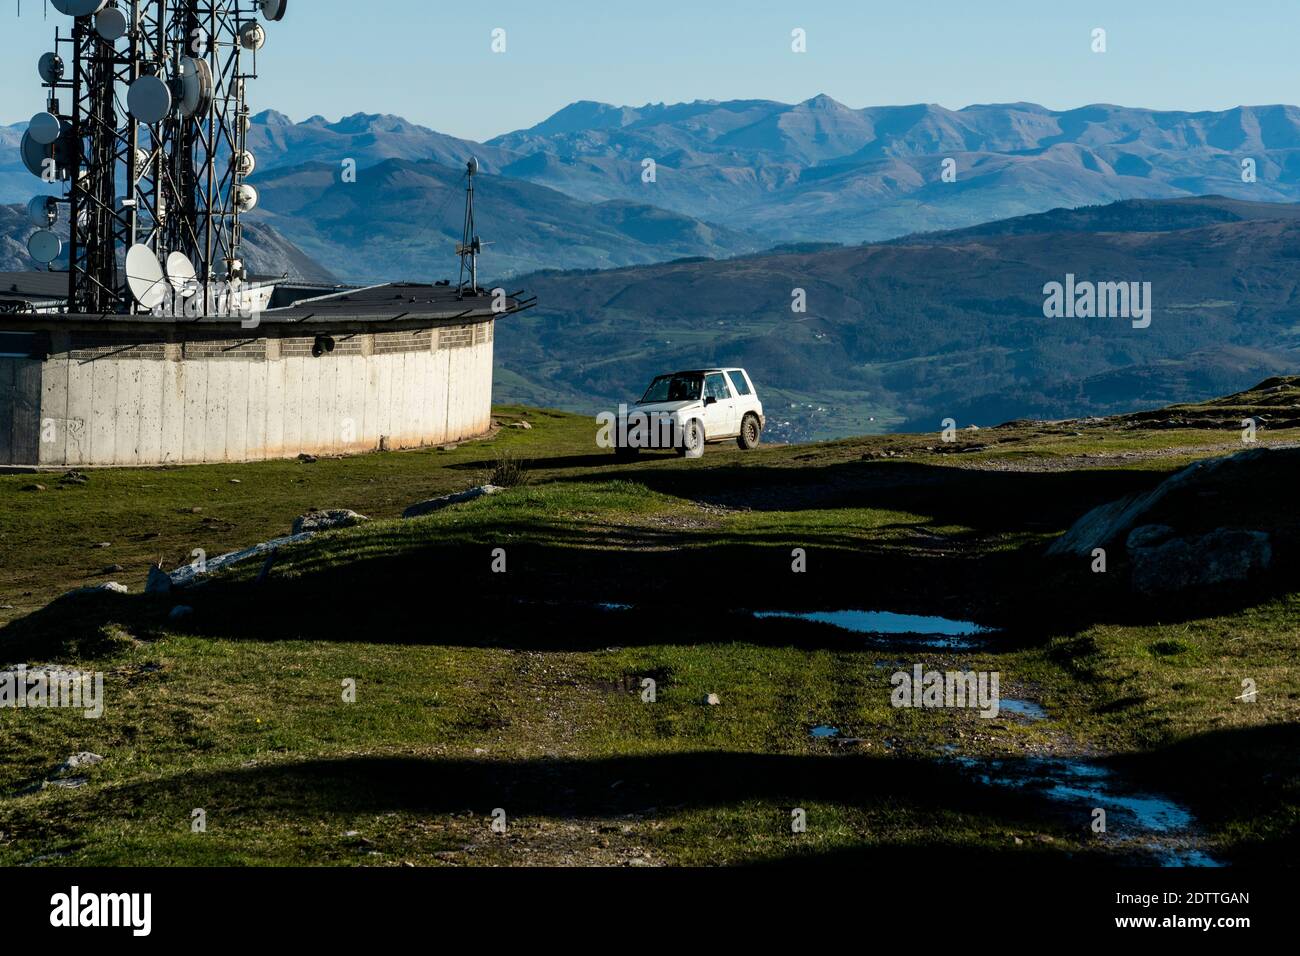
[147, 133]
[469, 246]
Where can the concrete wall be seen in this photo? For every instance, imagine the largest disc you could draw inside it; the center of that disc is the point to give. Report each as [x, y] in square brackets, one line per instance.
[209, 400]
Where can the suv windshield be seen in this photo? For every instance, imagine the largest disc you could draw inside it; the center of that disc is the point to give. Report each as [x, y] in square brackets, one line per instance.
[682, 387]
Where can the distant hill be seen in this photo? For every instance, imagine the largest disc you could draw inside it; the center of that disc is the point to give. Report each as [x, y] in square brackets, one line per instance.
[908, 333]
[266, 252]
[403, 219]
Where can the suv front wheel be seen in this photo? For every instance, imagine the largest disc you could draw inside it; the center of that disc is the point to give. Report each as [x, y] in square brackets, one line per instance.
[750, 432]
[692, 445]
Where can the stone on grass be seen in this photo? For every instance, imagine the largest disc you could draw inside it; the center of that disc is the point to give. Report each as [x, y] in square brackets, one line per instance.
[437, 504]
[327, 520]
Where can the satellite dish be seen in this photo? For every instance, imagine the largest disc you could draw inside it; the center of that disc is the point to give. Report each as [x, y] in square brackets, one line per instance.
[44, 246]
[149, 100]
[182, 275]
[50, 68]
[79, 8]
[245, 163]
[144, 276]
[196, 86]
[473, 165]
[252, 36]
[141, 159]
[45, 128]
[35, 154]
[43, 211]
[111, 24]
[246, 197]
[273, 9]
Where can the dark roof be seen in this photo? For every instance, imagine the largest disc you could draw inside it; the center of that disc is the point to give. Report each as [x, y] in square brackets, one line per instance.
[41, 286]
[394, 305]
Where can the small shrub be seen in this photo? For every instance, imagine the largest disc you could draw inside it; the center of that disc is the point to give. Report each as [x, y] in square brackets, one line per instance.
[509, 471]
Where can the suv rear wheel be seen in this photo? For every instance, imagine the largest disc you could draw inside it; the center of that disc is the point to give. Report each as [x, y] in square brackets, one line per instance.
[750, 432]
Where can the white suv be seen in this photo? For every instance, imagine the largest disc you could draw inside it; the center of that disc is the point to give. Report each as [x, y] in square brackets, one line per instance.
[685, 410]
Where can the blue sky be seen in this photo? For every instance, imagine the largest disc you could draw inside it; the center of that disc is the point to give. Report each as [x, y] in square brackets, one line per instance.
[431, 60]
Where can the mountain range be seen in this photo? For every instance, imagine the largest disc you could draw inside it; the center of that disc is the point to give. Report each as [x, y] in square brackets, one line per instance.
[728, 177]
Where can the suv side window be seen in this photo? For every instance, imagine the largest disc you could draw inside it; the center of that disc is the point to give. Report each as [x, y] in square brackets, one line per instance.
[715, 386]
[738, 382]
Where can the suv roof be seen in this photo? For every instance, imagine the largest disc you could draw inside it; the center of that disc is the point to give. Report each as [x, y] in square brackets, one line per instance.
[703, 371]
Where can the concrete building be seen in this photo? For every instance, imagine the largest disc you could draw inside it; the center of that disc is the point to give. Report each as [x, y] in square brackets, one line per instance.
[338, 372]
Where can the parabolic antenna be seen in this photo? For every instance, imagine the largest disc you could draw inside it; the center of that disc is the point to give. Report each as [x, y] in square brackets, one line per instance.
[43, 211]
[35, 154]
[79, 8]
[111, 23]
[252, 36]
[45, 128]
[50, 68]
[196, 86]
[273, 9]
[144, 276]
[246, 197]
[245, 163]
[44, 246]
[149, 100]
[182, 275]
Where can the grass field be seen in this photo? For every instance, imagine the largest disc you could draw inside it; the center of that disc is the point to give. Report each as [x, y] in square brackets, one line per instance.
[523, 690]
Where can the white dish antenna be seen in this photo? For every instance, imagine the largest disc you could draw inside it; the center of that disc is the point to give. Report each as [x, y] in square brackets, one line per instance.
[196, 86]
[43, 211]
[34, 154]
[273, 9]
[246, 197]
[79, 8]
[44, 246]
[45, 128]
[50, 68]
[182, 275]
[149, 100]
[252, 35]
[144, 276]
[111, 24]
[245, 163]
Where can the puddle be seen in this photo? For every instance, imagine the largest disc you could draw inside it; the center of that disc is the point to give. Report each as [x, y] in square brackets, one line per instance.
[824, 731]
[931, 631]
[1086, 786]
[1023, 708]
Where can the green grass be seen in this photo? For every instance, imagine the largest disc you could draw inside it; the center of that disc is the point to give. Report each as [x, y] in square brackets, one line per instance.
[478, 691]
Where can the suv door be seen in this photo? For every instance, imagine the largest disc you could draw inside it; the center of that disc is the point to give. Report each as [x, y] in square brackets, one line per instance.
[719, 415]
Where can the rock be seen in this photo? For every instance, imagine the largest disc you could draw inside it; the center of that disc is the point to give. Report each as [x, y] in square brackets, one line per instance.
[448, 447]
[328, 520]
[713, 700]
[235, 481]
[187, 575]
[111, 587]
[180, 612]
[309, 459]
[104, 545]
[113, 569]
[159, 582]
[1164, 563]
[196, 511]
[79, 761]
[446, 501]
[75, 478]
[524, 426]
[1110, 524]
[34, 487]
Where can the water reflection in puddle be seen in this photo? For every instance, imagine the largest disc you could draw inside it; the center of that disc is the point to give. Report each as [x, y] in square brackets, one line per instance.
[1023, 708]
[1088, 786]
[824, 731]
[931, 631]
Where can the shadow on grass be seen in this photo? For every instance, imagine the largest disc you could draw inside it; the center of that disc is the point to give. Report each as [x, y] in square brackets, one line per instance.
[923, 800]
